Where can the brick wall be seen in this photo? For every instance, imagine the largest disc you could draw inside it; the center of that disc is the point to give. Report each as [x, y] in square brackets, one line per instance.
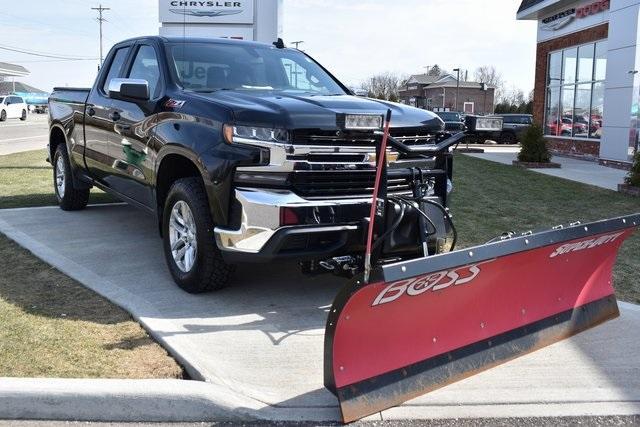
[573, 147]
[477, 96]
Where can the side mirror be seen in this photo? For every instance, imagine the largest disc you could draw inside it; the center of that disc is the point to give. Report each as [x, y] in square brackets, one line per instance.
[129, 89]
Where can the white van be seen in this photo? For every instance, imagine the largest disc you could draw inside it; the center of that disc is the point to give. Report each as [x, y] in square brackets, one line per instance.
[12, 107]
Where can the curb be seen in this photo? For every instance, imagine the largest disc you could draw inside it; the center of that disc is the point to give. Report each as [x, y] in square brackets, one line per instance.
[154, 400]
[118, 400]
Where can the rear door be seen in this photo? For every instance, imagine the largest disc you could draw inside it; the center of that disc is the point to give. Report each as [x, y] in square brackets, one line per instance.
[98, 124]
[129, 143]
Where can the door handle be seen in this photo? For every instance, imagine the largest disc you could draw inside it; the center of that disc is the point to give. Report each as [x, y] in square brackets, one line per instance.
[122, 128]
[115, 116]
[91, 112]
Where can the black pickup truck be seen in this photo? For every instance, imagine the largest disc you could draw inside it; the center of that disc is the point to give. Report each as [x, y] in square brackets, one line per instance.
[244, 152]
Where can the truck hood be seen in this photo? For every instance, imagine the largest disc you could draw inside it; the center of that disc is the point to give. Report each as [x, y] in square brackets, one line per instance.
[269, 109]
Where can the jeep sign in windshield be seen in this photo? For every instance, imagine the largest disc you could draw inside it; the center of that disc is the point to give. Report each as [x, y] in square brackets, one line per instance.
[213, 66]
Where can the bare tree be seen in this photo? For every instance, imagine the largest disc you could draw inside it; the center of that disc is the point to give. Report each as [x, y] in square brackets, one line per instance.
[383, 86]
[489, 75]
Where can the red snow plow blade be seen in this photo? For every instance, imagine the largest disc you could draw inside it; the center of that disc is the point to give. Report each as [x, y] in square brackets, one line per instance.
[421, 324]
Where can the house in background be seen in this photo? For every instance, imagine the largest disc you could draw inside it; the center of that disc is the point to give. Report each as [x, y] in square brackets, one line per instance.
[444, 92]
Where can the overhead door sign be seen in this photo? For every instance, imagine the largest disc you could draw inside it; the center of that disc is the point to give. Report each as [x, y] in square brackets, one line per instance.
[562, 19]
[204, 12]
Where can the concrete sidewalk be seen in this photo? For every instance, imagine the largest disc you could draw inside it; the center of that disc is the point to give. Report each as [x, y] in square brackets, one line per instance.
[572, 169]
[261, 339]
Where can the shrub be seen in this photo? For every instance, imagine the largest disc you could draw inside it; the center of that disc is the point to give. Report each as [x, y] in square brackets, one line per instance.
[633, 178]
[534, 147]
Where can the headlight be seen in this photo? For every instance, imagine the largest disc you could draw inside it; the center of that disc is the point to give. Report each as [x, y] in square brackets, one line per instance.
[477, 123]
[247, 134]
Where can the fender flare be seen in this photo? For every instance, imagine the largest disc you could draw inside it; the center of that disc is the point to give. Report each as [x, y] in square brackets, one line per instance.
[210, 187]
[77, 182]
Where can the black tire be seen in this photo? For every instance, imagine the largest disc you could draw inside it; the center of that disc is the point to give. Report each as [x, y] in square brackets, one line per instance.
[509, 138]
[23, 117]
[3, 116]
[71, 199]
[209, 271]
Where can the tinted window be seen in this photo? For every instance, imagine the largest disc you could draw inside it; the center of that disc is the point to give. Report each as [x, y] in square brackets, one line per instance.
[145, 67]
[214, 66]
[449, 116]
[115, 67]
[18, 100]
[1, 99]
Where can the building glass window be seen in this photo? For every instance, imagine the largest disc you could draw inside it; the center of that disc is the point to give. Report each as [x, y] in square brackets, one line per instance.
[575, 91]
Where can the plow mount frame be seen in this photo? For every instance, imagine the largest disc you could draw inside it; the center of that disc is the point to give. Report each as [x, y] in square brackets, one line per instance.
[591, 305]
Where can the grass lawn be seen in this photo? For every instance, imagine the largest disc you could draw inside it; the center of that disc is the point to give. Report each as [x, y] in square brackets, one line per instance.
[490, 198]
[53, 326]
[26, 179]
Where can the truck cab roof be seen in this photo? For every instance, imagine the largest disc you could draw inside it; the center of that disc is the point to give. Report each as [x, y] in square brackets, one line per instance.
[180, 39]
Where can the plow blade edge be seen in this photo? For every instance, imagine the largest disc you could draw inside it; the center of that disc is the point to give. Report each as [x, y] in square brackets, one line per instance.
[425, 323]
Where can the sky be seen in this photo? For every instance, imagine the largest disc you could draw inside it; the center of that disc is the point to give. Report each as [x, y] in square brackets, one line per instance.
[354, 39]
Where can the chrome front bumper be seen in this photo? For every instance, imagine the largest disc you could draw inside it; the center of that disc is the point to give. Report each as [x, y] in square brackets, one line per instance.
[260, 218]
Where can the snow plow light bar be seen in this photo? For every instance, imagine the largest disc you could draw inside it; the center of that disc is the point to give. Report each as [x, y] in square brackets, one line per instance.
[425, 323]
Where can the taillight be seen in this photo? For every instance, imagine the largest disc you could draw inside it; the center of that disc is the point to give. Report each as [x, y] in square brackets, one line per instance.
[288, 216]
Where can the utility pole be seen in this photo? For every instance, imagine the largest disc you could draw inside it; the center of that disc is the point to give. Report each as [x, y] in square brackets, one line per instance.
[297, 43]
[457, 88]
[100, 20]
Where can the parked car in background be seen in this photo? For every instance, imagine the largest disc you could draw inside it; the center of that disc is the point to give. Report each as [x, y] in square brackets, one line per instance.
[513, 127]
[566, 127]
[12, 107]
[453, 121]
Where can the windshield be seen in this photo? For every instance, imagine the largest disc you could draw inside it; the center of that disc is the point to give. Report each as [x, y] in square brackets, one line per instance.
[207, 67]
[449, 117]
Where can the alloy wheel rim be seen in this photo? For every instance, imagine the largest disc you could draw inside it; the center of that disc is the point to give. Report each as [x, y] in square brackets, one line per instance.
[182, 236]
[60, 178]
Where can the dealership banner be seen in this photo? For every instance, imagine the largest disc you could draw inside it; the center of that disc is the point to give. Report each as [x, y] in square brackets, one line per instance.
[206, 11]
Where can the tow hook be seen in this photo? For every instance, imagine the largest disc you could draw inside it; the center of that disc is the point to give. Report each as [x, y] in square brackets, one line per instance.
[342, 265]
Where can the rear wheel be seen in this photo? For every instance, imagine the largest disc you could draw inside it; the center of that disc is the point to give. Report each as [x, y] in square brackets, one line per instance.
[194, 260]
[3, 116]
[69, 198]
[23, 117]
[508, 138]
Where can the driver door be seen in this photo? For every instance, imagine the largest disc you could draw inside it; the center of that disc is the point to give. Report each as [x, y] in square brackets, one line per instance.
[129, 143]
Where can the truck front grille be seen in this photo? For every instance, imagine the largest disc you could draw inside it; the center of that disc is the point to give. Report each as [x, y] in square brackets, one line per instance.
[320, 185]
[317, 137]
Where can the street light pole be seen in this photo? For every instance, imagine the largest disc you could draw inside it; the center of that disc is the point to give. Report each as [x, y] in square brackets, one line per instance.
[457, 88]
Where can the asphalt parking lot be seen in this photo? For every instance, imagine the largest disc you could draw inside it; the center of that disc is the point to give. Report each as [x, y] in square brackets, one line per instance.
[17, 136]
[262, 338]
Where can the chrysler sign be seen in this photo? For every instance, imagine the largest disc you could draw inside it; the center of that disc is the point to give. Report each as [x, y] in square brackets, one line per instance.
[562, 19]
[206, 11]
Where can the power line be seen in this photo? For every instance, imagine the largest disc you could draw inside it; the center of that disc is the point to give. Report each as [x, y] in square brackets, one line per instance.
[17, 61]
[100, 20]
[43, 54]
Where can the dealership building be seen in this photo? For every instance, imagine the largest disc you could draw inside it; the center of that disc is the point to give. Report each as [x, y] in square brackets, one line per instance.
[258, 20]
[586, 92]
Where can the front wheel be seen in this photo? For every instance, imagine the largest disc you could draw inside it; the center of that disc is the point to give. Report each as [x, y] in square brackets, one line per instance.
[23, 117]
[3, 116]
[69, 198]
[194, 260]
